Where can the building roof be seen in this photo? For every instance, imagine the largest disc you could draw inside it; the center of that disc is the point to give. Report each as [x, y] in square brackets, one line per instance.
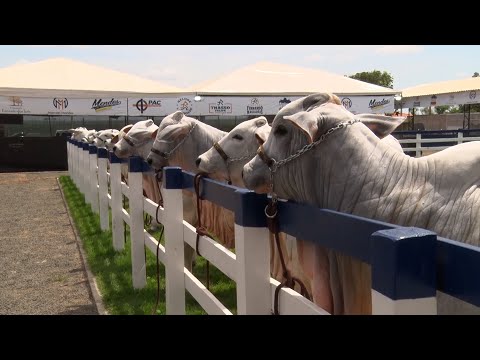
[266, 78]
[442, 87]
[75, 78]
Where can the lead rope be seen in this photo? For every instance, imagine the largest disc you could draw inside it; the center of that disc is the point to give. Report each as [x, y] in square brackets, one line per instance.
[160, 203]
[271, 212]
[200, 229]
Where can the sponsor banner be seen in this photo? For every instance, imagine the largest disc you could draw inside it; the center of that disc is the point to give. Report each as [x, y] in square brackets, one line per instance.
[158, 106]
[62, 106]
[368, 104]
[161, 106]
[208, 105]
[241, 105]
[459, 98]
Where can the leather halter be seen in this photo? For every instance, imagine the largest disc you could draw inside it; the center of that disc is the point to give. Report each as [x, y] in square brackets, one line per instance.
[158, 152]
[266, 159]
[128, 141]
[222, 153]
[224, 156]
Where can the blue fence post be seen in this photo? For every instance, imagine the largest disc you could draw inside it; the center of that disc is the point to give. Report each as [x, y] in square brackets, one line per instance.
[174, 241]
[404, 272]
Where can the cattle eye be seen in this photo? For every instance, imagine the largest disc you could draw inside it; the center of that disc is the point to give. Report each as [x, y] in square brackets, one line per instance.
[280, 130]
[238, 137]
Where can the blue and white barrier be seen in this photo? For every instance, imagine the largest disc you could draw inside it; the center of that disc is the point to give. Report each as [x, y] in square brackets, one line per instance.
[408, 265]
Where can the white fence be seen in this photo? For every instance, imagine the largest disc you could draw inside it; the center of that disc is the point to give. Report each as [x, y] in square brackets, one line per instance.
[422, 144]
[404, 261]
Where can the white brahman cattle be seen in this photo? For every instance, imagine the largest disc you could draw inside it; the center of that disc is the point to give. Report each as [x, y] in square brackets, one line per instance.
[352, 171]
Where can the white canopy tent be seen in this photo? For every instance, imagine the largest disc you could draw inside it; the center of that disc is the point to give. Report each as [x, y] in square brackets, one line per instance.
[264, 87]
[66, 87]
[452, 92]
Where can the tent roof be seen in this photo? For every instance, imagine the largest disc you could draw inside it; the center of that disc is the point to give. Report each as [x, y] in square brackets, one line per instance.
[442, 87]
[74, 78]
[266, 78]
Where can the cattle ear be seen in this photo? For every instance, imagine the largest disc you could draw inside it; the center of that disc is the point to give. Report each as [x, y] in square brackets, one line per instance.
[261, 134]
[262, 120]
[307, 124]
[154, 134]
[381, 125]
[114, 139]
[176, 131]
[315, 100]
[177, 115]
[149, 123]
[127, 128]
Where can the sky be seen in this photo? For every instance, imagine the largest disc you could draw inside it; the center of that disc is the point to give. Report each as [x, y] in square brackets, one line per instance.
[186, 65]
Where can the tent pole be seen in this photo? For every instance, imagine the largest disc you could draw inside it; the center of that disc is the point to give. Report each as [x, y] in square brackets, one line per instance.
[413, 119]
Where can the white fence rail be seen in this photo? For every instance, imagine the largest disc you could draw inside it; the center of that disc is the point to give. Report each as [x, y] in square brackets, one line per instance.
[386, 247]
[422, 143]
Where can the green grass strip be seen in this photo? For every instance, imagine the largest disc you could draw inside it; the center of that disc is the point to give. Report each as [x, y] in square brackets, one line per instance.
[113, 270]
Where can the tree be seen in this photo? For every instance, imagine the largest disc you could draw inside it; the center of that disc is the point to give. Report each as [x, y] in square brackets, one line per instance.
[441, 109]
[476, 74]
[460, 108]
[376, 77]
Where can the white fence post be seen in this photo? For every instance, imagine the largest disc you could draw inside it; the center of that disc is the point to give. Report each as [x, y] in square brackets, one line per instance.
[460, 137]
[103, 188]
[404, 272]
[79, 166]
[86, 174]
[137, 239]
[418, 145]
[76, 160]
[69, 164]
[252, 250]
[118, 226]
[93, 161]
[174, 242]
[81, 170]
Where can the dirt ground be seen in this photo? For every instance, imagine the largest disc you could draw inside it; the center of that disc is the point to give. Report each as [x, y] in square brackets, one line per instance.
[41, 268]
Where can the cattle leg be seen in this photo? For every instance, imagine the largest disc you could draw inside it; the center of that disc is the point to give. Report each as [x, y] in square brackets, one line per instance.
[315, 263]
[355, 280]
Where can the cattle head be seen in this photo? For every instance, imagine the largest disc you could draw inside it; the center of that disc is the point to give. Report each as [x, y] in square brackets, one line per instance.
[135, 140]
[116, 138]
[173, 129]
[102, 137]
[79, 133]
[225, 161]
[303, 122]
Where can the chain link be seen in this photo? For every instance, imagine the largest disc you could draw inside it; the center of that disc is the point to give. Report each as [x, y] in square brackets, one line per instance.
[246, 157]
[276, 164]
[308, 147]
[166, 155]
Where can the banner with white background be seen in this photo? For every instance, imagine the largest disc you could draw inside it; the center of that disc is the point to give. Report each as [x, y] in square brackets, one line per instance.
[162, 106]
[458, 98]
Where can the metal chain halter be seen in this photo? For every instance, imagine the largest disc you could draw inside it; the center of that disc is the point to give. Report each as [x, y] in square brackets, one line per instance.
[167, 154]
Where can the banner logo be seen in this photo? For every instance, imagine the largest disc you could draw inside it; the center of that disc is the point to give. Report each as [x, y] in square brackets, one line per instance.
[184, 105]
[60, 104]
[142, 105]
[347, 103]
[255, 108]
[283, 102]
[374, 104]
[99, 105]
[220, 108]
